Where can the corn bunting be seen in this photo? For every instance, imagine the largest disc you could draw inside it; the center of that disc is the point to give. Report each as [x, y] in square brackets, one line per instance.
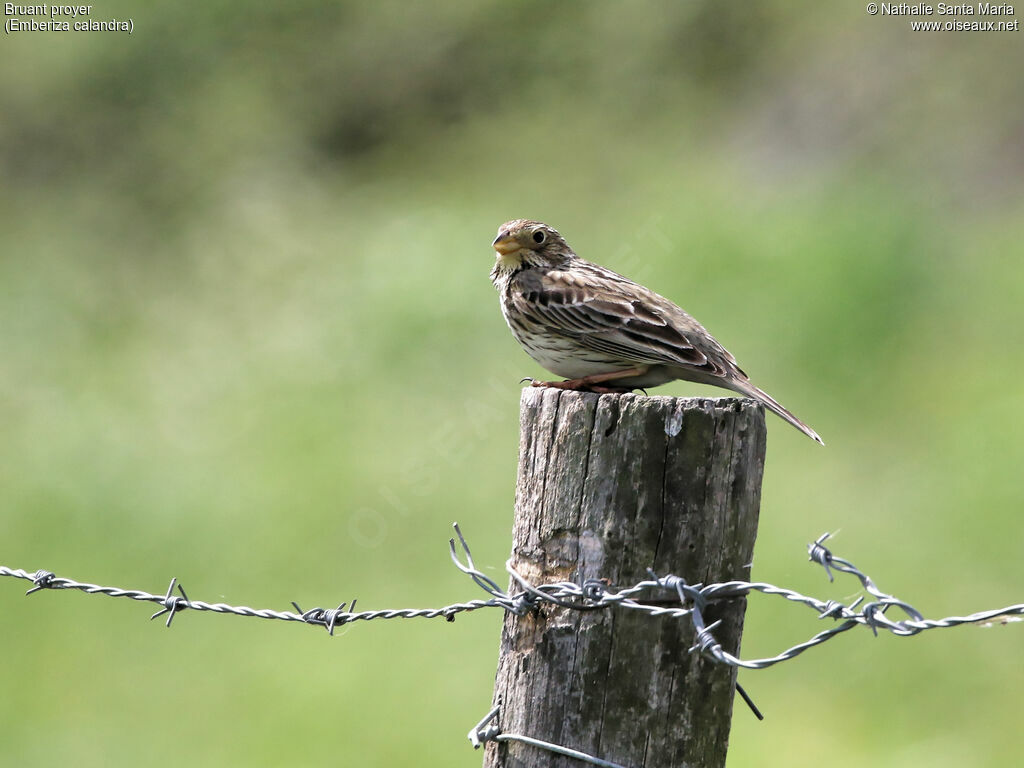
[600, 330]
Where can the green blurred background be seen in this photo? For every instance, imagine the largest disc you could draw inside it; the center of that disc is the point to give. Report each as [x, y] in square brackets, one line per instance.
[248, 340]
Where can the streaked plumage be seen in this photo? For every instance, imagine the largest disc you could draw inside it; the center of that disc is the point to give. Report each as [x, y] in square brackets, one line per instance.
[589, 324]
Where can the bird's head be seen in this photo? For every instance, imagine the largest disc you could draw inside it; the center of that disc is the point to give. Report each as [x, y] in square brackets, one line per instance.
[529, 243]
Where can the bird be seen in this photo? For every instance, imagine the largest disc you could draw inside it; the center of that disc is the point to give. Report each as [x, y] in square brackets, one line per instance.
[601, 331]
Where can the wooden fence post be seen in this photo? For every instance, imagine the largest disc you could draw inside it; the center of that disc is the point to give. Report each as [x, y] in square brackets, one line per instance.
[608, 487]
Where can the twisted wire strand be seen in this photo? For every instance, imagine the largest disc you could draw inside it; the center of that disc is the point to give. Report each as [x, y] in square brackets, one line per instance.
[593, 594]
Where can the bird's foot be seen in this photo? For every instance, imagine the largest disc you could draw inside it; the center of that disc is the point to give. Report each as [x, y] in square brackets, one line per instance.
[589, 383]
[576, 384]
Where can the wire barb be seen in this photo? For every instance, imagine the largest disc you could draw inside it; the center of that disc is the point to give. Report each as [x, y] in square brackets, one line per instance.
[172, 604]
[818, 553]
[42, 580]
[489, 730]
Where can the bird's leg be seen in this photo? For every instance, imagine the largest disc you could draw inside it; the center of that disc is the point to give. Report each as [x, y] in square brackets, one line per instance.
[590, 383]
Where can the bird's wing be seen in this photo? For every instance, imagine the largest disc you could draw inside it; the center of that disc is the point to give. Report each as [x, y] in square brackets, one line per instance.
[610, 314]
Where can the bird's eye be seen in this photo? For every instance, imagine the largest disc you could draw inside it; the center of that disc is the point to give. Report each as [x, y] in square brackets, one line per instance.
[539, 236]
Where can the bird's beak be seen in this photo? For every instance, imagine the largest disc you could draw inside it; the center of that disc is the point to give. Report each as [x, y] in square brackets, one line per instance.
[505, 243]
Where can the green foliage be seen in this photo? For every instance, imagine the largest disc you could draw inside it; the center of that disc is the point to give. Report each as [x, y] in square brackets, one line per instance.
[249, 341]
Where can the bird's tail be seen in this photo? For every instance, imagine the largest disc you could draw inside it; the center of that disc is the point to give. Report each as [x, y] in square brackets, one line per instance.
[772, 404]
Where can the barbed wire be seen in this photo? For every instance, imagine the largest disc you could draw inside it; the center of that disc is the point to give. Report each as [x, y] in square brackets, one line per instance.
[489, 730]
[589, 595]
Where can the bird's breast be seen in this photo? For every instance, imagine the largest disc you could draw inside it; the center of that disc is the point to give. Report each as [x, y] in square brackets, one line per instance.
[558, 353]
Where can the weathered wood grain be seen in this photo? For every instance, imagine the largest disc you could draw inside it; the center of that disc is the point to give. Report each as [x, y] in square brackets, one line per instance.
[608, 487]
